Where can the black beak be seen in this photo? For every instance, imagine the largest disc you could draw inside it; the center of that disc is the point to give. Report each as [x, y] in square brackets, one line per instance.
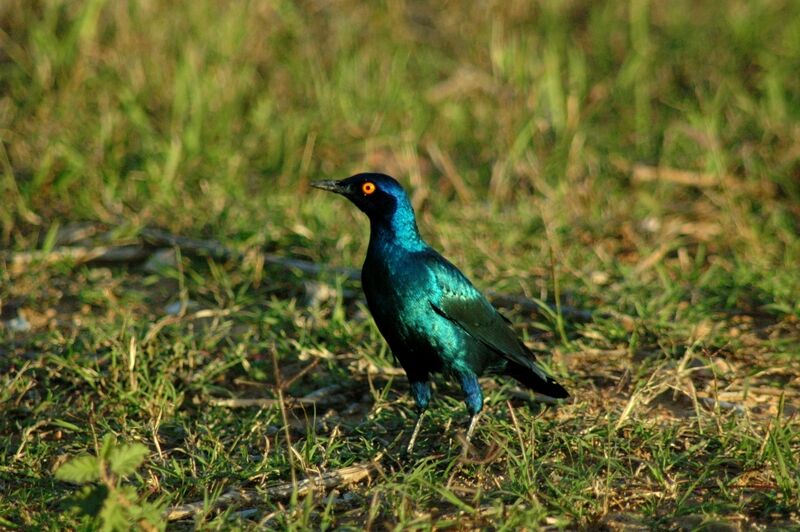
[330, 186]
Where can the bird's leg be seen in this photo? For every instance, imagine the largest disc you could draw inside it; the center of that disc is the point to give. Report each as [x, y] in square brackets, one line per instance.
[421, 391]
[473, 421]
[474, 399]
[413, 440]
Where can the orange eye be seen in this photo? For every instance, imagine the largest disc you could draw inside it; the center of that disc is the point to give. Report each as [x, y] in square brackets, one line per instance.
[368, 188]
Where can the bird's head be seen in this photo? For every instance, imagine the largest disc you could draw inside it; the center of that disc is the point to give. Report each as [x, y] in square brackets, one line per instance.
[378, 195]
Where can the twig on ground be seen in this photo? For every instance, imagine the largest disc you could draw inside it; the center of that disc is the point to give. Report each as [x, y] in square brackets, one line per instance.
[255, 401]
[212, 248]
[157, 239]
[78, 254]
[710, 402]
[326, 395]
[309, 267]
[346, 475]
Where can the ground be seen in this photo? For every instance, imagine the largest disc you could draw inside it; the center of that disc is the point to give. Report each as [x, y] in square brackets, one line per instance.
[623, 180]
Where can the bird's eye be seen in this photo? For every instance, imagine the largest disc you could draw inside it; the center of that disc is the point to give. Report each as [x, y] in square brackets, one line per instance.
[368, 188]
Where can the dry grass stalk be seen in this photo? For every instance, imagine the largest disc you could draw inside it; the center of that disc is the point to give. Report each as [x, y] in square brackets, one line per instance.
[346, 475]
[644, 173]
[448, 169]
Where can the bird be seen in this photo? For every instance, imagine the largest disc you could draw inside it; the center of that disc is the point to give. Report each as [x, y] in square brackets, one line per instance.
[433, 318]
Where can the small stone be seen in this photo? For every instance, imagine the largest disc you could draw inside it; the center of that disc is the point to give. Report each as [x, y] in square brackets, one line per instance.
[18, 324]
[174, 308]
[651, 224]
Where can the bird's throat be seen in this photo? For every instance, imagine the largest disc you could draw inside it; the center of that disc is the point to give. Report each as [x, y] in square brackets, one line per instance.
[399, 229]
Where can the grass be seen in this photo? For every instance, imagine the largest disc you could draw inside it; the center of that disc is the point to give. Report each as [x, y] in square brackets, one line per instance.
[640, 156]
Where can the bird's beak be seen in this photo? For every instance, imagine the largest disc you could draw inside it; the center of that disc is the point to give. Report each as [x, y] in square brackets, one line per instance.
[330, 186]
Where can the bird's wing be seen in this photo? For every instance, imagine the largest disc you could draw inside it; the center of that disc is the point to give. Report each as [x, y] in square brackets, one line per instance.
[461, 303]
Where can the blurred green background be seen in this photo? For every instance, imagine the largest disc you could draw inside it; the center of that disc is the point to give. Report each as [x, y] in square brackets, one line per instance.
[195, 114]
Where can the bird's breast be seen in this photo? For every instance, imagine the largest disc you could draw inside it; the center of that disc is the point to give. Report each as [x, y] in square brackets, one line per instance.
[398, 293]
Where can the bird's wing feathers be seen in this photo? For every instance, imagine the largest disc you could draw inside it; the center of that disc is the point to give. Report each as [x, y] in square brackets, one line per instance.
[461, 303]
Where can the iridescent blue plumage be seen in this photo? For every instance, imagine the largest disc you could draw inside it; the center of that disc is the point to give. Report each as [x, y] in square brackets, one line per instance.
[432, 317]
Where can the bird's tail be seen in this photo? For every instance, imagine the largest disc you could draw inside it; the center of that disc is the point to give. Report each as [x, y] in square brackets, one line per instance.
[536, 379]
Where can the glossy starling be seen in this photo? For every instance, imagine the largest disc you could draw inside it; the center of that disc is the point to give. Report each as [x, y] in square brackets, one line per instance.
[431, 315]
